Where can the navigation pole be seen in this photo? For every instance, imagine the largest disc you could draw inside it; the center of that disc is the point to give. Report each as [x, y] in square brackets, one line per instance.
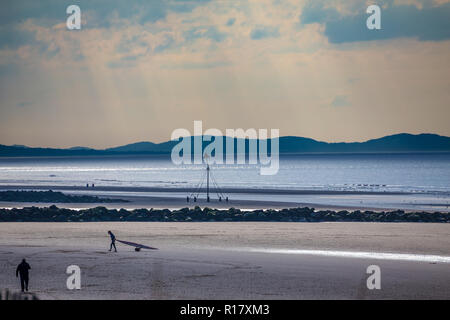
[207, 182]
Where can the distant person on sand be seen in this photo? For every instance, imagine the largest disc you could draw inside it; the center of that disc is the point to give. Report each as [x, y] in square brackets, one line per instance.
[113, 241]
[22, 270]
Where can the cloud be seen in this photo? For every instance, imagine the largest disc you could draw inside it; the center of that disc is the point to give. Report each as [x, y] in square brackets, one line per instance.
[99, 13]
[197, 65]
[24, 104]
[316, 12]
[13, 37]
[168, 43]
[207, 32]
[429, 23]
[230, 22]
[7, 70]
[264, 32]
[17, 11]
[340, 101]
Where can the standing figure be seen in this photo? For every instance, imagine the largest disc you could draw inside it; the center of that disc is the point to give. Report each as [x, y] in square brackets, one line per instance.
[113, 241]
[22, 270]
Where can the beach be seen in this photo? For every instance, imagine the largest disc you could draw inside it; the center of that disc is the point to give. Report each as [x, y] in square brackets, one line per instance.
[264, 260]
[236, 150]
[232, 260]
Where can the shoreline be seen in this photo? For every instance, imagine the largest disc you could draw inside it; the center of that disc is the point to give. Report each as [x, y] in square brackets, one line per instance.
[203, 190]
[244, 199]
[171, 203]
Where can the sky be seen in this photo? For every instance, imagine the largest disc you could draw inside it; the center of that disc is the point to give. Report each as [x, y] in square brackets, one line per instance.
[139, 69]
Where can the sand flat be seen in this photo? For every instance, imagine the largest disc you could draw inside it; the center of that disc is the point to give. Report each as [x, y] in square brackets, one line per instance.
[175, 198]
[214, 260]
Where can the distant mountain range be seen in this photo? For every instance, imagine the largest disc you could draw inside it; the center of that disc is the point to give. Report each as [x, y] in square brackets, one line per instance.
[403, 142]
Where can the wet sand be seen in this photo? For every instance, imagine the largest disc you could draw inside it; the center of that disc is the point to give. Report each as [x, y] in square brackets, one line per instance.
[189, 190]
[228, 260]
[175, 198]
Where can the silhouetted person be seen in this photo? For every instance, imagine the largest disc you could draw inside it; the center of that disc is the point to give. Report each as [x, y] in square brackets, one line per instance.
[187, 199]
[22, 270]
[113, 241]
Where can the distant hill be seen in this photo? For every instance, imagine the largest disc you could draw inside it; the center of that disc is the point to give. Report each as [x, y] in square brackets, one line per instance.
[403, 142]
[19, 146]
[79, 148]
[144, 147]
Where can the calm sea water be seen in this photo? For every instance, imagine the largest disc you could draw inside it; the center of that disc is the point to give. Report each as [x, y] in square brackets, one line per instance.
[377, 172]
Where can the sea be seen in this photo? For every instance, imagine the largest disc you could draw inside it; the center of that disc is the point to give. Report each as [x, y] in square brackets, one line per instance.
[417, 173]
